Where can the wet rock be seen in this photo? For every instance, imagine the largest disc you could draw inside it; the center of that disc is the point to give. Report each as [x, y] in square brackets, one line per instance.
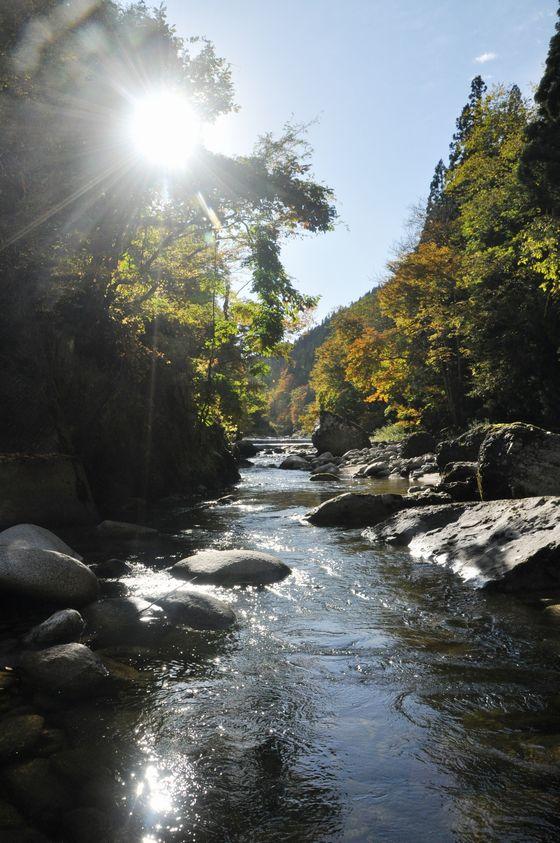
[519, 461]
[377, 469]
[111, 569]
[199, 611]
[120, 674]
[324, 458]
[327, 468]
[464, 448]
[324, 476]
[47, 488]
[68, 670]
[35, 790]
[417, 444]
[125, 530]
[30, 535]
[112, 588]
[338, 435]
[46, 575]
[506, 545]
[18, 735]
[115, 619]
[295, 462]
[61, 628]
[231, 567]
[354, 509]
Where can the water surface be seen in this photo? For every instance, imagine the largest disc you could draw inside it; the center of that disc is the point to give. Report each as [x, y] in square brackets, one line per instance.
[368, 697]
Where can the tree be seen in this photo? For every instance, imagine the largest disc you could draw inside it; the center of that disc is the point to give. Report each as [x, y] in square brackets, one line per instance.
[540, 160]
[122, 337]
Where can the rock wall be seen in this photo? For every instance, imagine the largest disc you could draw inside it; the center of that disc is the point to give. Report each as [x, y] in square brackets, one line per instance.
[45, 489]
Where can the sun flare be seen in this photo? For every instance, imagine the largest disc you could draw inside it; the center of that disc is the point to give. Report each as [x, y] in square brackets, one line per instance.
[165, 129]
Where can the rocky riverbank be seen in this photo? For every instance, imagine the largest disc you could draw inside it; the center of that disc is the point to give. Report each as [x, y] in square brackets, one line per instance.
[70, 616]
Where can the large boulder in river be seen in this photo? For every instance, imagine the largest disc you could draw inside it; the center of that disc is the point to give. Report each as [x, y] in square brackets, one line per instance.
[464, 448]
[417, 444]
[46, 575]
[45, 488]
[231, 567]
[199, 611]
[338, 435]
[519, 461]
[295, 463]
[355, 510]
[508, 545]
[244, 448]
[30, 535]
[69, 670]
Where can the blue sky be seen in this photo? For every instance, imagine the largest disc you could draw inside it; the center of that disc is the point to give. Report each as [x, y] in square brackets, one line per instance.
[385, 80]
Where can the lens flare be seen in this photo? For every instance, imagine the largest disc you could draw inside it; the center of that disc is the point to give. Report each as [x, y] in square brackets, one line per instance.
[165, 129]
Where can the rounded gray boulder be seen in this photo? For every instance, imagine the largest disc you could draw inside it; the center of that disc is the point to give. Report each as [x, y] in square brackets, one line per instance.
[69, 670]
[30, 535]
[231, 567]
[46, 575]
[199, 611]
[61, 628]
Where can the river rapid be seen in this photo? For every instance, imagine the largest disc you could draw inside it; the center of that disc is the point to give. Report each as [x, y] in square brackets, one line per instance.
[367, 697]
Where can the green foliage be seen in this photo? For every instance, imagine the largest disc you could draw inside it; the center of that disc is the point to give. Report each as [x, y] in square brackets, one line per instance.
[122, 336]
[392, 432]
[540, 160]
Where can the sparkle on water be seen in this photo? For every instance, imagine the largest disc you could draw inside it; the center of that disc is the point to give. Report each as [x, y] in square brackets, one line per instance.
[370, 696]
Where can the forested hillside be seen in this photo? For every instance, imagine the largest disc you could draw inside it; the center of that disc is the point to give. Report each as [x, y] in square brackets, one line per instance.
[123, 340]
[466, 325]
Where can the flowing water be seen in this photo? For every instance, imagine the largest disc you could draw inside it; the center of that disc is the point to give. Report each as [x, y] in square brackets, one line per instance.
[367, 697]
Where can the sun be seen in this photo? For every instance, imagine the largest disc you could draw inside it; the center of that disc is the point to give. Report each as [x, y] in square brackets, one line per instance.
[165, 129]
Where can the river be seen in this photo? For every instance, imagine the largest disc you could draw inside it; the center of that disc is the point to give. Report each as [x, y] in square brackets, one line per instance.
[367, 697]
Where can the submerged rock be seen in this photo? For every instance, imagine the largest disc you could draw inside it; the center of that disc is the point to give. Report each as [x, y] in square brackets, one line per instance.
[231, 567]
[115, 619]
[509, 545]
[69, 670]
[518, 461]
[199, 611]
[338, 435]
[46, 575]
[325, 476]
[354, 509]
[30, 535]
[61, 628]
